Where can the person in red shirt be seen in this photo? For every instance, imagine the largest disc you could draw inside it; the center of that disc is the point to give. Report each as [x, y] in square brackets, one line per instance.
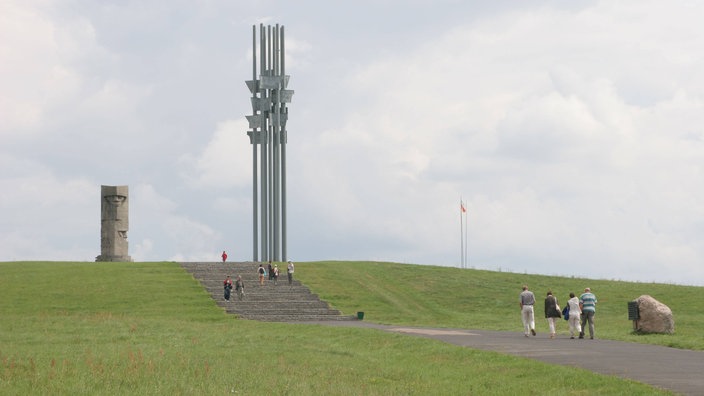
[224, 256]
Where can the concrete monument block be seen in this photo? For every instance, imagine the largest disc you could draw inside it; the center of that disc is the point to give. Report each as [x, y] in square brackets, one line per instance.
[114, 223]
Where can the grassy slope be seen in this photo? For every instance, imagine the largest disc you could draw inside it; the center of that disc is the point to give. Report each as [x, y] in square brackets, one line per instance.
[149, 328]
[450, 297]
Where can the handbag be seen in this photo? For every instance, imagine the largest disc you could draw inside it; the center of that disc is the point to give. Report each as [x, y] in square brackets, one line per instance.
[566, 313]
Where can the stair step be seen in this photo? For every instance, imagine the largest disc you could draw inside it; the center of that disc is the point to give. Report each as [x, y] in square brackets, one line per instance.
[298, 318]
[273, 303]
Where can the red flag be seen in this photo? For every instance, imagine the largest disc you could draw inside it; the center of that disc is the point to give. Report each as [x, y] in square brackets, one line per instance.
[462, 207]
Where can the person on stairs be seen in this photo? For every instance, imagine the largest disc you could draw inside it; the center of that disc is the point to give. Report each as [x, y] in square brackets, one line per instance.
[276, 275]
[239, 287]
[289, 270]
[261, 271]
[227, 286]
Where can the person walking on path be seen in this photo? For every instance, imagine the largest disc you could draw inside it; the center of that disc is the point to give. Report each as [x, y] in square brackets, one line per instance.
[552, 312]
[289, 271]
[261, 271]
[276, 275]
[239, 287]
[587, 303]
[573, 318]
[227, 286]
[270, 270]
[224, 256]
[527, 300]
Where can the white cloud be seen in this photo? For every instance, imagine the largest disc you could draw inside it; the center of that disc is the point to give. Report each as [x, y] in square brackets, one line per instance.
[45, 215]
[573, 132]
[28, 53]
[42, 68]
[225, 161]
[158, 225]
[557, 158]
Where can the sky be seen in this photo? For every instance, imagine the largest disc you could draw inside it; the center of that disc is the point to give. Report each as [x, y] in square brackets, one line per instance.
[573, 131]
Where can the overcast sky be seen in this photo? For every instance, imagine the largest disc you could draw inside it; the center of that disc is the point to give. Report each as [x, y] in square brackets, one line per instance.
[573, 130]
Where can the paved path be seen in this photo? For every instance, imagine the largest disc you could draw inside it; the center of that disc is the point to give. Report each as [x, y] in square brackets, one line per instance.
[677, 370]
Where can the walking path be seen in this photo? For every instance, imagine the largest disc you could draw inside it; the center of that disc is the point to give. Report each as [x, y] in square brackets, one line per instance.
[678, 370]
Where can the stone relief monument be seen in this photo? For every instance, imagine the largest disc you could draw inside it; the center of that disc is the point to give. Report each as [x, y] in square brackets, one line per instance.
[114, 223]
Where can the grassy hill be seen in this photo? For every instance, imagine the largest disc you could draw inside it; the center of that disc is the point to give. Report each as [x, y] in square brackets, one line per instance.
[149, 328]
[419, 295]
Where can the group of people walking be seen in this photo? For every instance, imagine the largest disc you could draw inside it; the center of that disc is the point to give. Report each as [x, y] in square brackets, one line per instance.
[238, 284]
[273, 273]
[578, 312]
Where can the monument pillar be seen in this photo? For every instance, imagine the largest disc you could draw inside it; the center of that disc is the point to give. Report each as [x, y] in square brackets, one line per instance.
[270, 97]
[114, 223]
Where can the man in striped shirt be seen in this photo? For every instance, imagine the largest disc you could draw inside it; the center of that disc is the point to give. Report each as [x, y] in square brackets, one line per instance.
[587, 302]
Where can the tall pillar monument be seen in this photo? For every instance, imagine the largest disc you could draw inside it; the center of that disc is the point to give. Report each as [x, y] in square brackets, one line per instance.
[268, 137]
[114, 223]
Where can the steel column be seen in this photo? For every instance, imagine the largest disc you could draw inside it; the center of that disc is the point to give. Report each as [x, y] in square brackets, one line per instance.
[268, 122]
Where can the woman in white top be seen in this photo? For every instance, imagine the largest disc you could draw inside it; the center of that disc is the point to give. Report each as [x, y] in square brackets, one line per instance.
[575, 313]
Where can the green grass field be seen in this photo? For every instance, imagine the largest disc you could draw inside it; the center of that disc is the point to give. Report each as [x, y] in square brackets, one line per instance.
[149, 328]
[420, 295]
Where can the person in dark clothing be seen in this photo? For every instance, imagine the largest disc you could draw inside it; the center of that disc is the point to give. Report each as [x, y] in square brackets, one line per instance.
[552, 312]
[227, 286]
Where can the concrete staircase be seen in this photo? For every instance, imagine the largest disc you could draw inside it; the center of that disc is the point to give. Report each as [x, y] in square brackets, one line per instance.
[273, 303]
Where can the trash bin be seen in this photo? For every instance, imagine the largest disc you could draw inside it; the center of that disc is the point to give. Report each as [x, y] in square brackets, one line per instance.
[360, 315]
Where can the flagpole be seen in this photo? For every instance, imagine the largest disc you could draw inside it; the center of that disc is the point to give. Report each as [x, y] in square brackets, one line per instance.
[466, 236]
[461, 235]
